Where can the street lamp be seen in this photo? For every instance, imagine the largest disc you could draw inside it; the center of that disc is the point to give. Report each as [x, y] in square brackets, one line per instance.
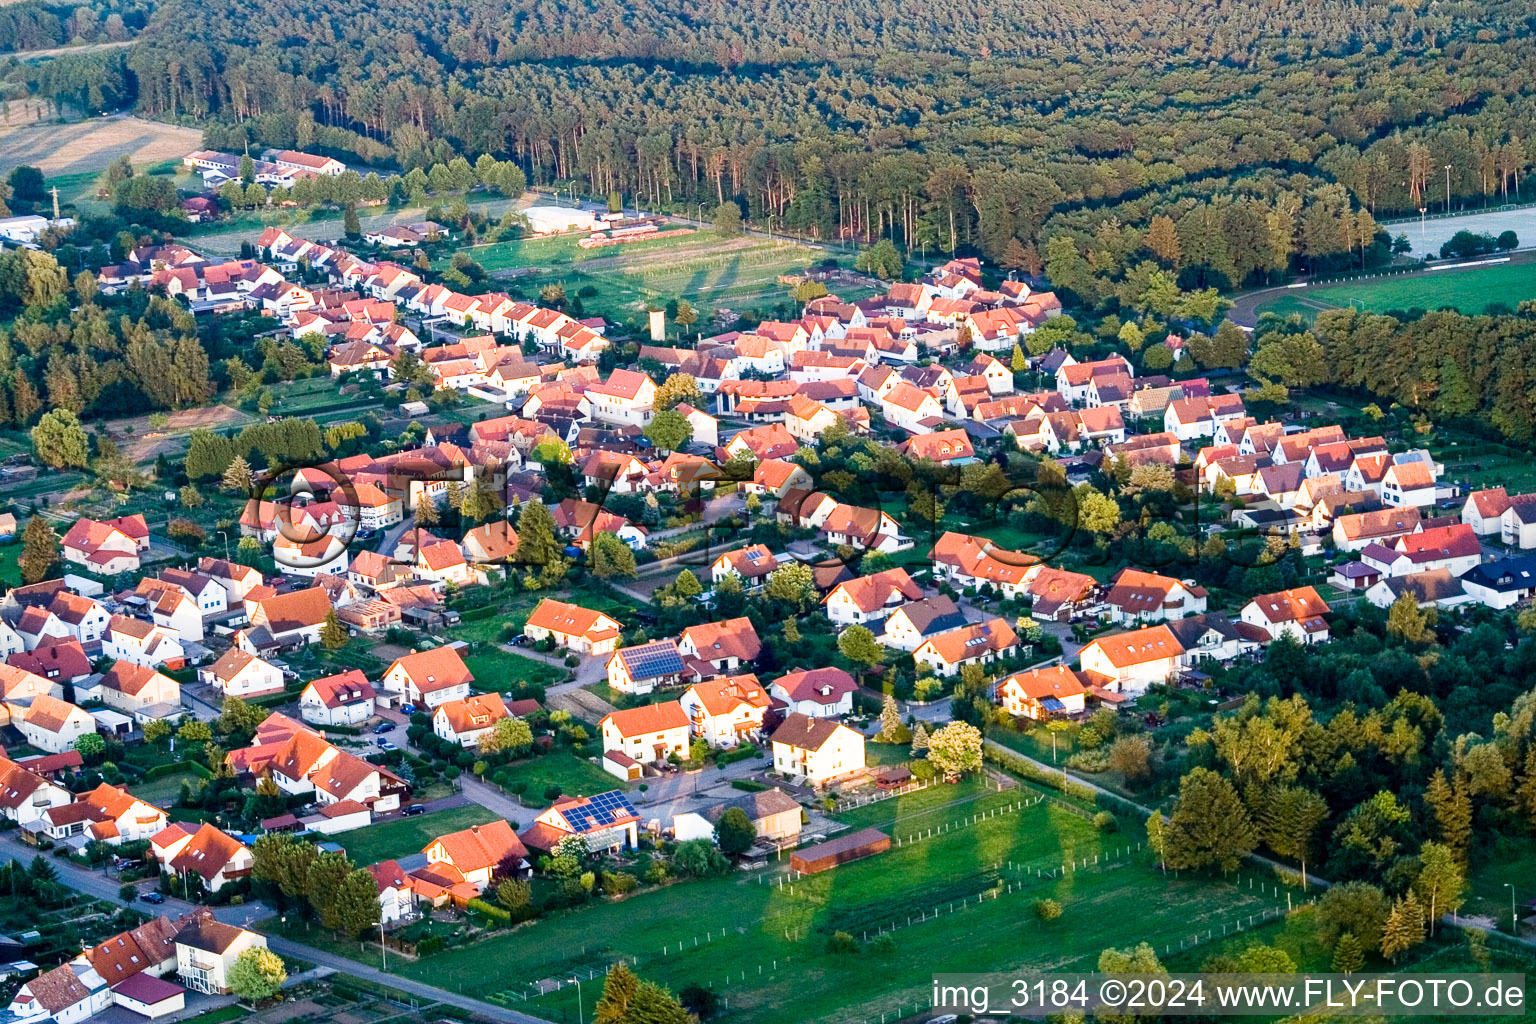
[226, 544]
[580, 1013]
[1514, 922]
[1423, 228]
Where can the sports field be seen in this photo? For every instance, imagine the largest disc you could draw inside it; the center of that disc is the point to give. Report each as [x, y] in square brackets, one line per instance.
[1470, 291]
[968, 892]
[710, 272]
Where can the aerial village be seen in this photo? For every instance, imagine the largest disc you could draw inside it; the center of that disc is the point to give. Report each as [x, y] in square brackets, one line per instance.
[853, 580]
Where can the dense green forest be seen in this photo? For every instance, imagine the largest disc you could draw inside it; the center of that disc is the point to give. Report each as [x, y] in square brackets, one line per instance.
[945, 128]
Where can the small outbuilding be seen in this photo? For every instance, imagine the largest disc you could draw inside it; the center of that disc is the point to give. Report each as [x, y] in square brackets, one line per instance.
[854, 846]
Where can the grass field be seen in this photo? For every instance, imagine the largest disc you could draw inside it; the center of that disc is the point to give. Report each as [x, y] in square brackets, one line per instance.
[737, 273]
[1512, 861]
[574, 775]
[405, 836]
[773, 941]
[1470, 291]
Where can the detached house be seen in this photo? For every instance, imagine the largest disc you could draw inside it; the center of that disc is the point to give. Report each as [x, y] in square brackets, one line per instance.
[468, 721]
[25, 795]
[870, 599]
[817, 693]
[239, 673]
[346, 698]
[649, 735]
[107, 547]
[1136, 596]
[821, 750]
[429, 677]
[573, 627]
[722, 711]
[1128, 663]
[608, 822]
[646, 667]
[1358, 530]
[909, 625]
[978, 642]
[107, 813]
[286, 620]
[53, 725]
[210, 853]
[714, 648]
[131, 688]
[479, 855]
[1042, 693]
[206, 949]
[1298, 613]
[750, 565]
[1189, 418]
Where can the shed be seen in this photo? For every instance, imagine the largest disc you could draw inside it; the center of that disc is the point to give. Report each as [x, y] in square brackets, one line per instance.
[854, 846]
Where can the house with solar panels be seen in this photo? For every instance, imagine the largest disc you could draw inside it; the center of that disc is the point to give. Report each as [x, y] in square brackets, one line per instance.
[608, 821]
[646, 668]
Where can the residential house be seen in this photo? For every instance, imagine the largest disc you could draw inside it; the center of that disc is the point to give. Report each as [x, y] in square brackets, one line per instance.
[774, 815]
[974, 643]
[650, 734]
[1136, 597]
[1214, 637]
[25, 794]
[428, 678]
[1436, 588]
[206, 949]
[1358, 530]
[870, 599]
[1128, 663]
[1042, 693]
[66, 994]
[1189, 418]
[107, 813]
[397, 893]
[468, 721]
[215, 856]
[608, 822]
[646, 667]
[1501, 584]
[51, 724]
[573, 627]
[130, 688]
[944, 447]
[750, 565]
[715, 648]
[909, 625]
[346, 699]
[912, 409]
[817, 693]
[820, 750]
[1299, 613]
[106, 548]
[724, 710]
[239, 673]
[286, 620]
[1059, 594]
[967, 561]
[1484, 510]
[1455, 547]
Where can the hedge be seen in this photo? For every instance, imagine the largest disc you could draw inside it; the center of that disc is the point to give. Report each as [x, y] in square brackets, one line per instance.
[160, 771]
[476, 614]
[1021, 765]
[490, 910]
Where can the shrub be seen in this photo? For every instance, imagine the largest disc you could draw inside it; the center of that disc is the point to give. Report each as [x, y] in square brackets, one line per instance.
[1047, 910]
[127, 892]
[922, 770]
[551, 793]
[745, 785]
[842, 944]
[617, 883]
[429, 945]
[1105, 822]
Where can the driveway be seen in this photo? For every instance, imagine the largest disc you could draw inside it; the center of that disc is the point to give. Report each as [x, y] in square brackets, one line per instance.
[494, 800]
[667, 796]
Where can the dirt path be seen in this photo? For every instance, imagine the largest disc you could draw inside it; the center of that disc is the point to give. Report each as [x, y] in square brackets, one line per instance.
[59, 50]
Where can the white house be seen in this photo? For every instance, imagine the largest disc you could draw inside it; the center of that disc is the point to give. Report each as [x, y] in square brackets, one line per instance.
[346, 698]
[818, 693]
[820, 750]
[648, 734]
[143, 643]
[239, 673]
[468, 721]
[725, 710]
[1128, 663]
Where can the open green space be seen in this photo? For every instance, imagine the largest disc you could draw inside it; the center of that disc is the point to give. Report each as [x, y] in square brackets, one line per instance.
[1470, 291]
[774, 940]
[405, 836]
[738, 273]
[164, 789]
[1510, 862]
[496, 668]
[574, 775]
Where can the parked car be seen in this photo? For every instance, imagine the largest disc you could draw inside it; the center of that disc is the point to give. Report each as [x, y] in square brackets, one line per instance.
[386, 745]
[383, 727]
[152, 897]
[519, 640]
[415, 809]
[408, 709]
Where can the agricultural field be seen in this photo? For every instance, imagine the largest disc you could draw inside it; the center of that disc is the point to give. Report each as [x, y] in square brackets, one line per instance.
[1470, 291]
[737, 273]
[969, 893]
[89, 146]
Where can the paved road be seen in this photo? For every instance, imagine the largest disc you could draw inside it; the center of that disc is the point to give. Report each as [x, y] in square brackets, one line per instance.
[494, 800]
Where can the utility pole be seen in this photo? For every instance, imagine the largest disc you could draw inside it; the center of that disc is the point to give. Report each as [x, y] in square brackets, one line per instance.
[1514, 921]
[1447, 188]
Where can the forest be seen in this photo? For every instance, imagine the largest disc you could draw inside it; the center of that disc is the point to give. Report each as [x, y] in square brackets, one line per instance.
[965, 127]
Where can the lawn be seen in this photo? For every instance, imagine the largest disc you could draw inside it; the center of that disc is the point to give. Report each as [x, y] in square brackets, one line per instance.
[496, 668]
[1470, 291]
[574, 775]
[405, 836]
[773, 940]
[164, 789]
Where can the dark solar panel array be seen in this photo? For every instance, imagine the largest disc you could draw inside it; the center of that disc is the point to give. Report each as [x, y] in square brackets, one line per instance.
[600, 812]
[653, 660]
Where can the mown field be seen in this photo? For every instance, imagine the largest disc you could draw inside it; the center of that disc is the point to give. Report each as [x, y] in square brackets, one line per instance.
[773, 940]
[1470, 291]
[405, 836]
[710, 272]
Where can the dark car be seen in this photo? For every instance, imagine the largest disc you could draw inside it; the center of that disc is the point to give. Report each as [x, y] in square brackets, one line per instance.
[383, 727]
[519, 640]
[152, 897]
[415, 809]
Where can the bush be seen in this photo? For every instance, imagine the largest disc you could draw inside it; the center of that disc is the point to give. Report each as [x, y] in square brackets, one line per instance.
[923, 770]
[842, 944]
[1047, 910]
[748, 785]
[127, 893]
[571, 661]
[617, 883]
[552, 793]
[1105, 822]
[489, 910]
[429, 945]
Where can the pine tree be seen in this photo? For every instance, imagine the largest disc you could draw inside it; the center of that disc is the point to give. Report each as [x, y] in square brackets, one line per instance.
[453, 494]
[1020, 362]
[237, 476]
[1209, 827]
[1404, 928]
[39, 549]
[536, 543]
[1348, 955]
[890, 719]
[919, 739]
[1450, 807]
[333, 634]
[350, 224]
[426, 511]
